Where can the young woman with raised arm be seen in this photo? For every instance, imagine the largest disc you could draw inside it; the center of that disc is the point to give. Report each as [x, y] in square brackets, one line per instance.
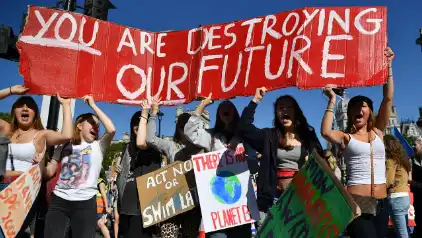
[364, 152]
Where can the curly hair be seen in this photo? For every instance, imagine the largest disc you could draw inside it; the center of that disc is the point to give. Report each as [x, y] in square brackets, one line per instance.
[395, 151]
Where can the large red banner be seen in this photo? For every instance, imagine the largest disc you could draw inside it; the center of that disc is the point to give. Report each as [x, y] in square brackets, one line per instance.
[308, 48]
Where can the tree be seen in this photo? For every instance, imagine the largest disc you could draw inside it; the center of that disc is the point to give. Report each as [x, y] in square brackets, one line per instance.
[6, 116]
[410, 139]
[111, 153]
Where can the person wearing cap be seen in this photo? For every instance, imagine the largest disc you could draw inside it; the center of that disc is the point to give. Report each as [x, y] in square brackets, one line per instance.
[416, 186]
[73, 202]
[364, 154]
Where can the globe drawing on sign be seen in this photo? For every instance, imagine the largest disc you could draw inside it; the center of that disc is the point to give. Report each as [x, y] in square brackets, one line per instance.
[226, 187]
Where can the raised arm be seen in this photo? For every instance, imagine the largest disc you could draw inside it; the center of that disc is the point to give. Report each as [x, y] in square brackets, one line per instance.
[388, 91]
[110, 130]
[141, 142]
[253, 136]
[162, 145]
[58, 138]
[333, 136]
[194, 132]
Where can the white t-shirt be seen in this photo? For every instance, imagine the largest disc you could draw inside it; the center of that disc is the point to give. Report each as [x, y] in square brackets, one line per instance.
[79, 172]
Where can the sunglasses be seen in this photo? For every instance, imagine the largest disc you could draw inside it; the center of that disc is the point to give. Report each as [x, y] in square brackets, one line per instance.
[88, 117]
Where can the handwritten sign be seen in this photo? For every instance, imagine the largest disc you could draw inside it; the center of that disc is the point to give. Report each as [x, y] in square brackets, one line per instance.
[225, 189]
[76, 55]
[16, 200]
[314, 205]
[167, 192]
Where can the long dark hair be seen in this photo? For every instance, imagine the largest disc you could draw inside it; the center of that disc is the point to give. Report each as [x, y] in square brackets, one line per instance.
[138, 156]
[395, 151]
[303, 129]
[220, 127]
[134, 121]
[30, 103]
[180, 124]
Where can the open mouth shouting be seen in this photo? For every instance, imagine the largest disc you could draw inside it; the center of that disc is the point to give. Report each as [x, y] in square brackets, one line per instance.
[358, 117]
[93, 132]
[25, 116]
[286, 117]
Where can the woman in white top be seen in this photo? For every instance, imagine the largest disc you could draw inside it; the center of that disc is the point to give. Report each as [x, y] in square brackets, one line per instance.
[27, 135]
[364, 153]
[29, 138]
[73, 202]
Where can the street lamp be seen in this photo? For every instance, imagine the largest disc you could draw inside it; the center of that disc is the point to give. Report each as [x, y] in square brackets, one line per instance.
[126, 138]
[419, 40]
[160, 117]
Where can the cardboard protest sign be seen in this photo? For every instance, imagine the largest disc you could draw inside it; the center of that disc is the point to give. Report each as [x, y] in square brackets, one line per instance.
[16, 200]
[75, 55]
[315, 204]
[166, 192]
[225, 189]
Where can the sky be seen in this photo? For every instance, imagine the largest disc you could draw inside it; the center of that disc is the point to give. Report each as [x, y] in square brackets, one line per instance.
[162, 15]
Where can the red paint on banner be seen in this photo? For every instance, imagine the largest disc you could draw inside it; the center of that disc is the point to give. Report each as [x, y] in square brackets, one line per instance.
[315, 207]
[74, 55]
[230, 217]
[207, 161]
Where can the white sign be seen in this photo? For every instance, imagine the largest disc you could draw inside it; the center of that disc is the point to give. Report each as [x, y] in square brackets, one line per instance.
[225, 189]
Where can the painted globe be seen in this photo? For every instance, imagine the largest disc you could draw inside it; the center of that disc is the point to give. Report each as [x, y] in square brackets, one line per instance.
[226, 187]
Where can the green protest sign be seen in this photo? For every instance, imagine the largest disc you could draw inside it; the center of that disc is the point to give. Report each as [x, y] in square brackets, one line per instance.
[314, 205]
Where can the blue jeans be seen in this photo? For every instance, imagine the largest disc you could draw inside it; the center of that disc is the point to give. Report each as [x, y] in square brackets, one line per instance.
[398, 210]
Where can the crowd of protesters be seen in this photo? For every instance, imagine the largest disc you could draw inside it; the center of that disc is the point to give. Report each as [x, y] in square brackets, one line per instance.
[79, 204]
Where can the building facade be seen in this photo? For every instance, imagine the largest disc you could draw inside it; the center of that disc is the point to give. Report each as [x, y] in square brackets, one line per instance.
[392, 121]
[411, 128]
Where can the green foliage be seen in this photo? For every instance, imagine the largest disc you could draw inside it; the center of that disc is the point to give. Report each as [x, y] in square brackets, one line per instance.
[110, 154]
[410, 140]
[6, 116]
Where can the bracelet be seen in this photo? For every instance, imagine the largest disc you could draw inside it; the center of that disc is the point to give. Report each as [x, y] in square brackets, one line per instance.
[390, 75]
[143, 117]
[10, 90]
[329, 110]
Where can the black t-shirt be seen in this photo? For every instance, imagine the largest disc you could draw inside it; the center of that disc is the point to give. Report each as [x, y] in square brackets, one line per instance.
[146, 162]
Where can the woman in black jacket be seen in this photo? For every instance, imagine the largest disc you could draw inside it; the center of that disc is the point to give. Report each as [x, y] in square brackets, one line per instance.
[135, 162]
[284, 148]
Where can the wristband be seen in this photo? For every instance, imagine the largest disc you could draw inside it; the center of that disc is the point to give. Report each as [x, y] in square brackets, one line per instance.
[329, 110]
[143, 117]
[10, 90]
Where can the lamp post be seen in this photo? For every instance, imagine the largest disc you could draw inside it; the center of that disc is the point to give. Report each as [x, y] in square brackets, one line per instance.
[419, 40]
[160, 117]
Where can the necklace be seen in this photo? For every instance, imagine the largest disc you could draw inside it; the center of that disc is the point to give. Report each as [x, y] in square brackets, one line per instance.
[361, 134]
[22, 133]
